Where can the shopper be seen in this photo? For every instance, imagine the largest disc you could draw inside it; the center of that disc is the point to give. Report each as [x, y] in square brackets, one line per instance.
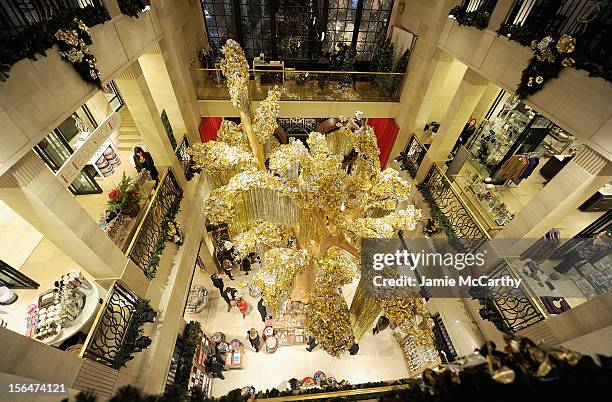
[144, 160]
[254, 339]
[354, 348]
[312, 343]
[246, 265]
[381, 324]
[465, 136]
[242, 306]
[230, 294]
[589, 250]
[216, 368]
[262, 310]
[227, 268]
[217, 282]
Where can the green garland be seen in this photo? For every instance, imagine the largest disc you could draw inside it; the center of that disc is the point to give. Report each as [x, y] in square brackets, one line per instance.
[153, 263]
[168, 127]
[133, 7]
[477, 19]
[441, 219]
[551, 55]
[192, 336]
[134, 331]
[37, 39]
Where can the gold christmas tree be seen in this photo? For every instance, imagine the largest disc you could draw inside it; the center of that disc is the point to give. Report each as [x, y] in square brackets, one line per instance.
[267, 193]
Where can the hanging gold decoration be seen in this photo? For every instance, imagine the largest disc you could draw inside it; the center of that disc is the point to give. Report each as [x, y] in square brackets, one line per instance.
[276, 277]
[236, 69]
[265, 116]
[410, 318]
[264, 234]
[301, 190]
[327, 320]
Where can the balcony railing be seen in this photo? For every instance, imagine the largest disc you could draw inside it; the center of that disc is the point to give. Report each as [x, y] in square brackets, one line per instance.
[107, 338]
[475, 13]
[510, 309]
[182, 155]
[589, 21]
[149, 241]
[17, 16]
[304, 85]
[410, 160]
[451, 212]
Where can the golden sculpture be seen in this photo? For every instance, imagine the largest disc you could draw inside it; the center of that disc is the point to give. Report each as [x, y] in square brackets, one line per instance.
[304, 194]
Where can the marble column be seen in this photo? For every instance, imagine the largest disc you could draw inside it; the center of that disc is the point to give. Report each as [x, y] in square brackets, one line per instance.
[139, 100]
[461, 108]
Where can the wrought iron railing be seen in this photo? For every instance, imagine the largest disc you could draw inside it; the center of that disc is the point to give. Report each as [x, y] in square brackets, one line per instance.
[150, 237]
[19, 15]
[451, 212]
[107, 336]
[182, 155]
[514, 308]
[304, 85]
[410, 160]
[474, 13]
[588, 20]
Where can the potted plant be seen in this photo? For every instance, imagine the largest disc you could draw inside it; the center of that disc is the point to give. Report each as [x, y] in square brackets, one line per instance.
[124, 198]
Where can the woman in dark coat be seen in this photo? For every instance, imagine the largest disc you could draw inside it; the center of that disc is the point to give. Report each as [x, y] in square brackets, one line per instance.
[144, 160]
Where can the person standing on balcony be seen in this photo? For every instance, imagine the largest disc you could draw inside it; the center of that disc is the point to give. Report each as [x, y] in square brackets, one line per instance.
[466, 134]
[144, 160]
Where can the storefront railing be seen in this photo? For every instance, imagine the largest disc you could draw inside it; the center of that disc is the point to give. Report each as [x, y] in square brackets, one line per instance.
[106, 341]
[510, 309]
[451, 212]
[17, 16]
[588, 21]
[349, 394]
[149, 241]
[305, 85]
[182, 155]
[410, 160]
[474, 13]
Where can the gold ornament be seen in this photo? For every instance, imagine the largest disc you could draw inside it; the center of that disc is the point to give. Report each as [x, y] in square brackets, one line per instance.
[566, 44]
[264, 234]
[276, 277]
[327, 320]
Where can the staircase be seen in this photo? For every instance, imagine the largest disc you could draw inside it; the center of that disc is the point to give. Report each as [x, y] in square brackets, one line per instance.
[128, 136]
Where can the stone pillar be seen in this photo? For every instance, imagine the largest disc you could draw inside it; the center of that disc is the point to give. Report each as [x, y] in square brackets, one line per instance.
[428, 20]
[462, 106]
[159, 82]
[586, 173]
[501, 11]
[31, 190]
[138, 98]
[444, 83]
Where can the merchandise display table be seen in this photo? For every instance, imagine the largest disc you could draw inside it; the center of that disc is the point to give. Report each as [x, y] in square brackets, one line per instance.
[81, 323]
[289, 327]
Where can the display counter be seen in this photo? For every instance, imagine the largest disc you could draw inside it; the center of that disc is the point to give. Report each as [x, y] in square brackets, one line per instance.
[289, 326]
[199, 376]
[418, 359]
[60, 313]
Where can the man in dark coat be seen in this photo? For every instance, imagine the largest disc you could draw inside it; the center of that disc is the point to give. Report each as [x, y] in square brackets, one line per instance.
[262, 310]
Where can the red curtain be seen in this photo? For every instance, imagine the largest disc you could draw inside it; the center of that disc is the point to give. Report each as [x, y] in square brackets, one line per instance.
[386, 132]
[209, 127]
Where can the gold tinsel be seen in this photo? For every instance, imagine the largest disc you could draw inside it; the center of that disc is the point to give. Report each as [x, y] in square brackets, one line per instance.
[327, 320]
[336, 269]
[265, 116]
[232, 134]
[388, 189]
[410, 318]
[220, 160]
[276, 277]
[236, 69]
[264, 234]
[284, 158]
